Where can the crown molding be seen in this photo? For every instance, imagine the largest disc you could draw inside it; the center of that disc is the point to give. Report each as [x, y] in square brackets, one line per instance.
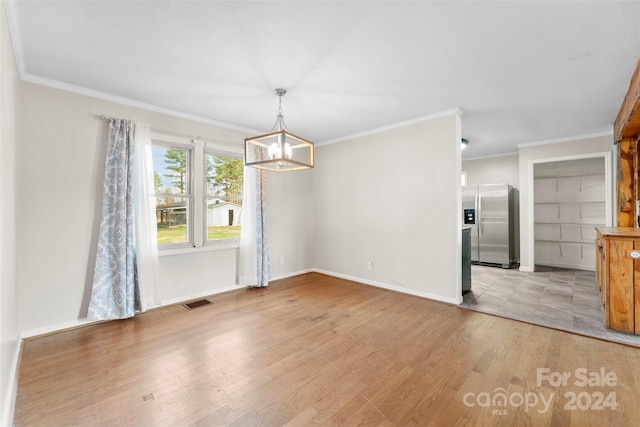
[29, 78]
[445, 113]
[607, 131]
[491, 156]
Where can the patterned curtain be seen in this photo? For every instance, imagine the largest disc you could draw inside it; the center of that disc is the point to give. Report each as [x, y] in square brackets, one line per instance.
[255, 264]
[115, 293]
[263, 258]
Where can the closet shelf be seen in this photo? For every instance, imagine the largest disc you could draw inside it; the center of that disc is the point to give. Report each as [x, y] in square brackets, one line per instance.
[569, 204]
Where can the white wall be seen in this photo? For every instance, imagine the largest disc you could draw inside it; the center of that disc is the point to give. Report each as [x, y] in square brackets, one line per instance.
[63, 146]
[493, 170]
[291, 226]
[529, 154]
[195, 275]
[393, 198]
[9, 136]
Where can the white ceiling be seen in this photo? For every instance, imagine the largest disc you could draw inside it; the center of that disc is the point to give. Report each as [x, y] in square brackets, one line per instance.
[521, 71]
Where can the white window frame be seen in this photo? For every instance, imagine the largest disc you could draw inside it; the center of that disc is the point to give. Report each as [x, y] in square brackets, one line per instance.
[198, 148]
[209, 149]
[189, 193]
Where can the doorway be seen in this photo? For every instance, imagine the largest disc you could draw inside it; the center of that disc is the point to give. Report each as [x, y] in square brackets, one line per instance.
[568, 198]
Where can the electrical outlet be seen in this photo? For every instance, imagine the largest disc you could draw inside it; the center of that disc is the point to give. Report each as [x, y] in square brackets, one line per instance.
[282, 259]
[369, 265]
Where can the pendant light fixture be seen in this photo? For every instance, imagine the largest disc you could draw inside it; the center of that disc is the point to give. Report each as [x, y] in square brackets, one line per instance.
[278, 150]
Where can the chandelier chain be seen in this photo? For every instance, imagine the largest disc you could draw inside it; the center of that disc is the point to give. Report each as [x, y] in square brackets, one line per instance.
[279, 124]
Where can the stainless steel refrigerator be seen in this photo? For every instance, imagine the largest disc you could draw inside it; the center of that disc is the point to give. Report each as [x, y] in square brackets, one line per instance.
[488, 211]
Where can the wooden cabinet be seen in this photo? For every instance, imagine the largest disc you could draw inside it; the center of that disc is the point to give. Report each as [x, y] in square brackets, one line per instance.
[618, 277]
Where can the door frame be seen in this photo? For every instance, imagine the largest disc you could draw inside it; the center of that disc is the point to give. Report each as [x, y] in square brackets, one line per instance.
[608, 178]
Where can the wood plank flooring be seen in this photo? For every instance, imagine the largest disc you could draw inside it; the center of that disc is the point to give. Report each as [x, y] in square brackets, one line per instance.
[318, 350]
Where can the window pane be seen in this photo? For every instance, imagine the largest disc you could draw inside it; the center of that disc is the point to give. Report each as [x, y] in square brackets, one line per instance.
[224, 177]
[172, 187]
[224, 196]
[172, 214]
[171, 175]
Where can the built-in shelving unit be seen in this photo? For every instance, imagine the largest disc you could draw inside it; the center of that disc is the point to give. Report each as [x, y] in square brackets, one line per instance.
[569, 202]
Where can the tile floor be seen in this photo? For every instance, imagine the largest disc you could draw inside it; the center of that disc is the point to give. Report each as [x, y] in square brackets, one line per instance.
[554, 297]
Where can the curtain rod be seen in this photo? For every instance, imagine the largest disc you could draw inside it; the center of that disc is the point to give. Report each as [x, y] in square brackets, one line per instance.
[156, 131]
[214, 142]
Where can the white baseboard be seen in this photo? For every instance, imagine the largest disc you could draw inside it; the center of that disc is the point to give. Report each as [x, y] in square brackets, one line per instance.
[198, 295]
[84, 322]
[56, 328]
[400, 289]
[225, 289]
[222, 290]
[559, 265]
[9, 404]
[294, 273]
[570, 266]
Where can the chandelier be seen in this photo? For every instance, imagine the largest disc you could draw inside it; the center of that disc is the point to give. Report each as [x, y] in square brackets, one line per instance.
[278, 150]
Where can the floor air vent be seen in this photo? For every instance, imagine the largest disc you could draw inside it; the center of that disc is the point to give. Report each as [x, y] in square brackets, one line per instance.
[196, 304]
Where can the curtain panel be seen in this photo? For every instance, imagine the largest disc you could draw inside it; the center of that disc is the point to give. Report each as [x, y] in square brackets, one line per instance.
[255, 264]
[146, 227]
[126, 269]
[115, 293]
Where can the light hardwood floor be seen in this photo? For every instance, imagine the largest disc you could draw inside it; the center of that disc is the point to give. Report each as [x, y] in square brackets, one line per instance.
[317, 350]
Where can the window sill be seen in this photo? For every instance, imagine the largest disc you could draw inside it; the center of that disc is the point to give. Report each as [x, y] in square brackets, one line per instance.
[213, 246]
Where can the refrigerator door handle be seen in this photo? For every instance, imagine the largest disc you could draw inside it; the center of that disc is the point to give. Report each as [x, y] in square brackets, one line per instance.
[479, 213]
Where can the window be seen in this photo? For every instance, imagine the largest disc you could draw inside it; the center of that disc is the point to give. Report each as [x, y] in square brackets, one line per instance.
[223, 196]
[172, 183]
[198, 193]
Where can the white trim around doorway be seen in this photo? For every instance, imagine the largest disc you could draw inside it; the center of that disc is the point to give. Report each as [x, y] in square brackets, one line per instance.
[608, 171]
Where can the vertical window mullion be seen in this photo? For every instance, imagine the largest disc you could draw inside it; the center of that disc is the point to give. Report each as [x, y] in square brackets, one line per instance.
[197, 198]
[189, 194]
